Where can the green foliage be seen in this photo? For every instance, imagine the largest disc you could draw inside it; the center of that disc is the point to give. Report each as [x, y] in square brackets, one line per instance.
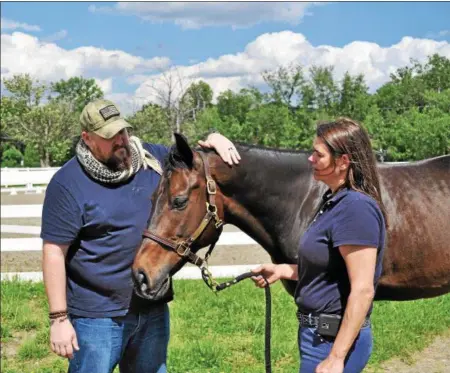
[31, 156]
[150, 125]
[77, 91]
[237, 105]
[11, 157]
[407, 118]
[286, 84]
[197, 98]
[45, 126]
[325, 88]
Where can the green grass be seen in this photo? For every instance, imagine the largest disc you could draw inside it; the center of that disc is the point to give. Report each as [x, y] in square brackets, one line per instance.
[214, 334]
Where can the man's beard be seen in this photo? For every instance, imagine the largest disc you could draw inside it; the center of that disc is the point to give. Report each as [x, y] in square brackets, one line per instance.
[121, 161]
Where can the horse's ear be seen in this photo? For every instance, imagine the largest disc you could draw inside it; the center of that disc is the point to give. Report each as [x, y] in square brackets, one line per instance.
[183, 149]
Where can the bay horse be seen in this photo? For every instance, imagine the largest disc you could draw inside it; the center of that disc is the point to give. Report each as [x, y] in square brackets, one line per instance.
[271, 196]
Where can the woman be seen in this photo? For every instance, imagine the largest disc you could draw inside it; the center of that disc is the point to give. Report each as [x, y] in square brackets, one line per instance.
[340, 254]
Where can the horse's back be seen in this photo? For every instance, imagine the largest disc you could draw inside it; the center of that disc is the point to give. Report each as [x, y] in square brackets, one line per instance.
[417, 200]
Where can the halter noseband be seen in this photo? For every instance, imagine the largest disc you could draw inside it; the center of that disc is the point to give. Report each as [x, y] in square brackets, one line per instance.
[183, 248]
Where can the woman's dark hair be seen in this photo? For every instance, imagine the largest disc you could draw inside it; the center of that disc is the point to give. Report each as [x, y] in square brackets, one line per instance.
[346, 136]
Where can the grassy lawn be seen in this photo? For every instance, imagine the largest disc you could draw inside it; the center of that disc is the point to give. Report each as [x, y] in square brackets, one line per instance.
[223, 333]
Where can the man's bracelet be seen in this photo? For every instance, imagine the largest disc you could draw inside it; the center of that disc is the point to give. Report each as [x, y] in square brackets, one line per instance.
[57, 314]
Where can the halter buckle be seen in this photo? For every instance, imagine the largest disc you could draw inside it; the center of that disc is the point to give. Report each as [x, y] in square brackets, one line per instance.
[186, 249]
[211, 186]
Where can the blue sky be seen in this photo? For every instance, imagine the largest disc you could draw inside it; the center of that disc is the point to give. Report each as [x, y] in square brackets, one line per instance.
[227, 43]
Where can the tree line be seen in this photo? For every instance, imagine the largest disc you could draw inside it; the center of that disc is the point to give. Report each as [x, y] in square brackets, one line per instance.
[408, 117]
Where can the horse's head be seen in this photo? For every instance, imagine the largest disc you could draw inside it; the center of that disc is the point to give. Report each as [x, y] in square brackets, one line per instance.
[186, 216]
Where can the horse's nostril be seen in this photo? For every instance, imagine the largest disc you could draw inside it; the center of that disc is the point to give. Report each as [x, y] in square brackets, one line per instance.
[142, 280]
[140, 277]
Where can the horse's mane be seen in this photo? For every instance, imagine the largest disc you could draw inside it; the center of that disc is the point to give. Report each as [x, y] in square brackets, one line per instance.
[174, 160]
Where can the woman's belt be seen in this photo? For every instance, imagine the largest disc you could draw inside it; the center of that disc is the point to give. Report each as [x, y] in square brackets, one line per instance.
[312, 321]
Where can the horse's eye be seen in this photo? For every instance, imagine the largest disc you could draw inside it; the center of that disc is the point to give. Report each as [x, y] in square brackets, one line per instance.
[179, 203]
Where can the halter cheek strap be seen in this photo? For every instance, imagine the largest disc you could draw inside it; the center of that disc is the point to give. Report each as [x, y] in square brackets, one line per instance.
[183, 248]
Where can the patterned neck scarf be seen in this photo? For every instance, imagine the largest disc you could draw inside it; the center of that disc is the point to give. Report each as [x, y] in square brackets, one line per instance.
[100, 172]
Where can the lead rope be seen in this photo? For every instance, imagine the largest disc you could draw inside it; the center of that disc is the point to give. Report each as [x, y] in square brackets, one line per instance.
[227, 284]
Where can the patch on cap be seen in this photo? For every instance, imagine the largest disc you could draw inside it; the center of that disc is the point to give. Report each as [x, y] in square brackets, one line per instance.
[109, 112]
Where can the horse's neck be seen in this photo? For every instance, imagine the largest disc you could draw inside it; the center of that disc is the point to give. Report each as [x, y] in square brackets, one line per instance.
[270, 196]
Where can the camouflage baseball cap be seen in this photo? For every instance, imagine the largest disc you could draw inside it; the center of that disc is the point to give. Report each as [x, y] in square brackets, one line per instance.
[103, 118]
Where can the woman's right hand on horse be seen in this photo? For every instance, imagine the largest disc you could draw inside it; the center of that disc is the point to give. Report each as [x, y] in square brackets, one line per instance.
[63, 339]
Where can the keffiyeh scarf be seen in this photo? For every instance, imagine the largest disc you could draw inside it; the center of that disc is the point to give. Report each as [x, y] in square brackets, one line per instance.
[100, 172]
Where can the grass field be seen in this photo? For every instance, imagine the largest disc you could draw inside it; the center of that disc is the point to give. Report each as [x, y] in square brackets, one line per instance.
[223, 333]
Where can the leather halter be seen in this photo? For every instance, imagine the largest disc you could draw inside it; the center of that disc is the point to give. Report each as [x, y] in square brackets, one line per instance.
[183, 248]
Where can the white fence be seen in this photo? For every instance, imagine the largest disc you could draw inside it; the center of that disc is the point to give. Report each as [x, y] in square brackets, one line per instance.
[35, 243]
[29, 178]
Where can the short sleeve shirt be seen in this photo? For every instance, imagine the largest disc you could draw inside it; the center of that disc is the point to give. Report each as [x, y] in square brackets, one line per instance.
[348, 218]
[103, 225]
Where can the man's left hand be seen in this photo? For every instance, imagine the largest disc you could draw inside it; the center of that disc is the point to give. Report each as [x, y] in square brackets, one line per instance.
[224, 147]
[331, 365]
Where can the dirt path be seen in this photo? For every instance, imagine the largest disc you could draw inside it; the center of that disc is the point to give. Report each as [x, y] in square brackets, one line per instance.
[433, 359]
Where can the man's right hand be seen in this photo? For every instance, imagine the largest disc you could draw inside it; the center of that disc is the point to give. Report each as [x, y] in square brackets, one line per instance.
[63, 339]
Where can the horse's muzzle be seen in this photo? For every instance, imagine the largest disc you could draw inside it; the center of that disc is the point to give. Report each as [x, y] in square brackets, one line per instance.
[143, 286]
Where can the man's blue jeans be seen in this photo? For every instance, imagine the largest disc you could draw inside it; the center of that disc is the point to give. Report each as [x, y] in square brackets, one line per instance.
[137, 342]
[314, 349]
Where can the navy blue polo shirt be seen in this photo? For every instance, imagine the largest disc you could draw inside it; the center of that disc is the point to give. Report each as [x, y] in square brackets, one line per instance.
[103, 225]
[347, 218]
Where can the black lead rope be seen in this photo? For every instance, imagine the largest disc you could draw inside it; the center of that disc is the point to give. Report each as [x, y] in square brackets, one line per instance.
[239, 278]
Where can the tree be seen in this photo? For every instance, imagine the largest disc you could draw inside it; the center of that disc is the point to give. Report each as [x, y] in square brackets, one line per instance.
[31, 157]
[197, 97]
[11, 157]
[325, 89]
[150, 125]
[271, 125]
[354, 99]
[408, 85]
[436, 73]
[286, 83]
[46, 126]
[179, 97]
[77, 91]
[238, 105]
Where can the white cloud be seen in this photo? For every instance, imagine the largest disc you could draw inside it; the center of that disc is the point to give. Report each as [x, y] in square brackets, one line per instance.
[128, 103]
[105, 85]
[23, 53]
[56, 36]
[8, 24]
[194, 15]
[271, 50]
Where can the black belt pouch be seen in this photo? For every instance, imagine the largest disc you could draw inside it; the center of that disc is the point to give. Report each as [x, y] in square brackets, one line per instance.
[328, 325]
